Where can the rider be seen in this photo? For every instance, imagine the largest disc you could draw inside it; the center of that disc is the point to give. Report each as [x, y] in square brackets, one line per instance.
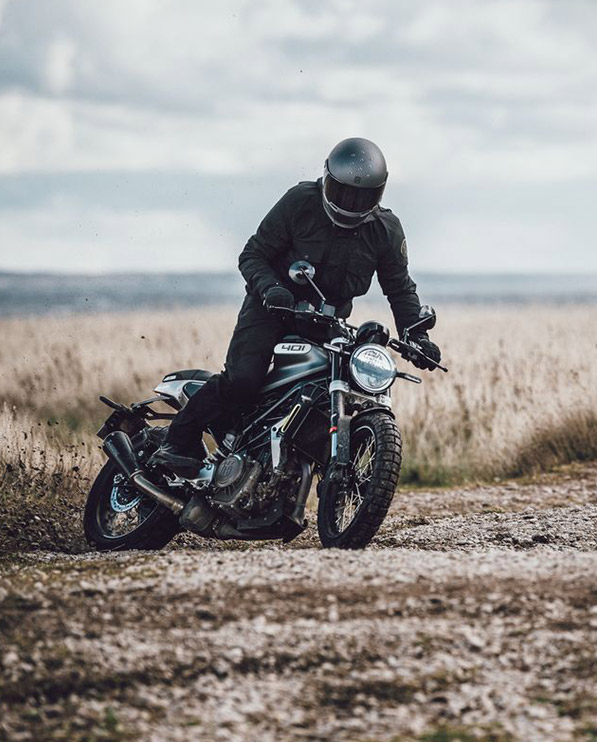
[338, 225]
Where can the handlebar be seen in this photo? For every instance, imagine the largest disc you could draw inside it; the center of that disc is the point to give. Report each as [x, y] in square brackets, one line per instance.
[314, 316]
[407, 350]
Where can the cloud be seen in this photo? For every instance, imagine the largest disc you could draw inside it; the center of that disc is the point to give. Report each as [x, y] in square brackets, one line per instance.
[466, 95]
[474, 243]
[227, 87]
[77, 238]
[60, 66]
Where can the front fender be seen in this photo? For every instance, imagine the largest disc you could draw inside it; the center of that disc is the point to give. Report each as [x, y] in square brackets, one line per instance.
[345, 423]
[375, 408]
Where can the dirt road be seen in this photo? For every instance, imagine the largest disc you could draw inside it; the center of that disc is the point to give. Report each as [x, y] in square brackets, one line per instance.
[472, 616]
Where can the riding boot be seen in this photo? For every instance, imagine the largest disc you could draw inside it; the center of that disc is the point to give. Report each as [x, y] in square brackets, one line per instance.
[176, 459]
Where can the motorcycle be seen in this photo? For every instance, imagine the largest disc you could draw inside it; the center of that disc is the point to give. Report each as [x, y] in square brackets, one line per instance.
[324, 413]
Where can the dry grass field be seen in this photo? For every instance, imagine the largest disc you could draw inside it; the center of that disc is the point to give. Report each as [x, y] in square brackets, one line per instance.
[520, 397]
[521, 394]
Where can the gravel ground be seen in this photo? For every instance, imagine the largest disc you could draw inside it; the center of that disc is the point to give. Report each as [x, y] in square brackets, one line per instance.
[472, 616]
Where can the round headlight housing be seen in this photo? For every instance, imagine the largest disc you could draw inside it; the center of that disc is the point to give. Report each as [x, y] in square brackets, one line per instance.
[372, 332]
[372, 368]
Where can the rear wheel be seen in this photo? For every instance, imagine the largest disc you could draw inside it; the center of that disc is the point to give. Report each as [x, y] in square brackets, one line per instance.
[118, 517]
[350, 513]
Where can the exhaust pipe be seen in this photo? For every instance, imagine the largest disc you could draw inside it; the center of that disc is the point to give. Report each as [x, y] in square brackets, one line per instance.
[118, 447]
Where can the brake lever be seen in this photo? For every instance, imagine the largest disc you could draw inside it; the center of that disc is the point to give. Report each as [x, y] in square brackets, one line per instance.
[435, 363]
[402, 347]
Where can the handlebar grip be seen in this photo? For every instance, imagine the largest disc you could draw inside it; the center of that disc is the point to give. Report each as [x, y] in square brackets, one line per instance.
[405, 348]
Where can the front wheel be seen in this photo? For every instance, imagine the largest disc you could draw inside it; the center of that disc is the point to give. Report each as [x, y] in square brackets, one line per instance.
[350, 512]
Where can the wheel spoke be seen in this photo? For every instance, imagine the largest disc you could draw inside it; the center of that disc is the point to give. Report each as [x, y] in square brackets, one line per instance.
[359, 495]
[348, 504]
[363, 461]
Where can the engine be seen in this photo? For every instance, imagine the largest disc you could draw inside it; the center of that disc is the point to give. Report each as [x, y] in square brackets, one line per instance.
[230, 471]
[235, 482]
[244, 487]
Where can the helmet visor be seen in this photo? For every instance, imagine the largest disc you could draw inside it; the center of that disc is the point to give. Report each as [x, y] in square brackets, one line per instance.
[351, 199]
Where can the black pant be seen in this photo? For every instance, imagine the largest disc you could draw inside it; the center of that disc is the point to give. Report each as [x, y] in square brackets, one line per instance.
[249, 354]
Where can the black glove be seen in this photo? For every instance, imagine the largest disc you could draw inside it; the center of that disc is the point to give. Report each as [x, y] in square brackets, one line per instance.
[278, 296]
[429, 349]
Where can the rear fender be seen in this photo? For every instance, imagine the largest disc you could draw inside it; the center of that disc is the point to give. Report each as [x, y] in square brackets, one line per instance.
[126, 420]
[132, 420]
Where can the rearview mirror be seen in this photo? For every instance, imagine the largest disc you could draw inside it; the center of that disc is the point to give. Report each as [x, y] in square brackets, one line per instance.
[426, 320]
[298, 270]
[427, 317]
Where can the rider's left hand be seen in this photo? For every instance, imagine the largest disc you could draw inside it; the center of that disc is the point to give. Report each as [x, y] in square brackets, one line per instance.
[430, 349]
[278, 297]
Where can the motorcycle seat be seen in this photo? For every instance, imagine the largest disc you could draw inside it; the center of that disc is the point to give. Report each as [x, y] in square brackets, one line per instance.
[194, 374]
[293, 339]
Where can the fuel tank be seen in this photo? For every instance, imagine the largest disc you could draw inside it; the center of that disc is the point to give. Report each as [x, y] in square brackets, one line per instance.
[295, 359]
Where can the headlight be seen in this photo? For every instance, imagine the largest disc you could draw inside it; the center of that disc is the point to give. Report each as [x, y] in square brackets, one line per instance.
[372, 368]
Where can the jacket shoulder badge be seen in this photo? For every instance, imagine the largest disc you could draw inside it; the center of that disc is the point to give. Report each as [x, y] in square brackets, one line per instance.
[404, 251]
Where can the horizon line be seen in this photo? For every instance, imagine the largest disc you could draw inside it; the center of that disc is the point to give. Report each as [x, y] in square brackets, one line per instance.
[235, 272]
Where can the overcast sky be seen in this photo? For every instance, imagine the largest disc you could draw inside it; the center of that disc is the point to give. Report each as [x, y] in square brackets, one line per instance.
[152, 135]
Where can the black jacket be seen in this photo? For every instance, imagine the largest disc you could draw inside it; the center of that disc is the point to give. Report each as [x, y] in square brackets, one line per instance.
[345, 260]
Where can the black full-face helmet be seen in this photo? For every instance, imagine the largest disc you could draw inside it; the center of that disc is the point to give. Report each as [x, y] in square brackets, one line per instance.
[354, 178]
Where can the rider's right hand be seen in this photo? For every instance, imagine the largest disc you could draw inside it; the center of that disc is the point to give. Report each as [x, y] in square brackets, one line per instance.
[278, 297]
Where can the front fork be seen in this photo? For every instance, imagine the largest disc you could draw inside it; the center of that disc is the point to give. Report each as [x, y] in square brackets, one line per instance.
[339, 421]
